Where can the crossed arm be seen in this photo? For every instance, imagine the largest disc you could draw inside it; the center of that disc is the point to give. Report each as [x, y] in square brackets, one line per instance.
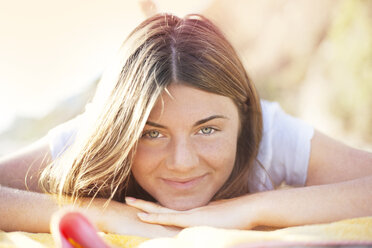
[338, 187]
[24, 208]
[278, 208]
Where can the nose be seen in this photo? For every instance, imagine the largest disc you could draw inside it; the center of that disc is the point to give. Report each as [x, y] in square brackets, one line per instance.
[182, 157]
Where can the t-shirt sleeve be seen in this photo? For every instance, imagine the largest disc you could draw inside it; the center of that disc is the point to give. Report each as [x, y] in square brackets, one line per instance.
[284, 151]
[62, 136]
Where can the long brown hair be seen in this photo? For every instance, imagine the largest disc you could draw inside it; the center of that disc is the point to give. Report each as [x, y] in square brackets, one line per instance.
[163, 49]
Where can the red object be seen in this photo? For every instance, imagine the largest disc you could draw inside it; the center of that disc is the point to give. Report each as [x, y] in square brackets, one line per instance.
[76, 231]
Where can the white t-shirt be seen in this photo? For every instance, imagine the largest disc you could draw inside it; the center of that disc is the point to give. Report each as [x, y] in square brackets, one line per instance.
[284, 150]
[283, 155]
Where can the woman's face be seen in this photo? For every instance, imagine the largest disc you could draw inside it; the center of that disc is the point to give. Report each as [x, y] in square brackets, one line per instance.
[188, 147]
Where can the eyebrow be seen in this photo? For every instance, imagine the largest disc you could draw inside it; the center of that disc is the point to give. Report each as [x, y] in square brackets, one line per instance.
[202, 121]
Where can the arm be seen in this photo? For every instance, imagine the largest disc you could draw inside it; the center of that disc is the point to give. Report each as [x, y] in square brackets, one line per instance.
[31, 212]
[344, 178]
[24, 208]
[315, 204]
[331, 162]
[339, 186]
[21, 169]
[278, 208]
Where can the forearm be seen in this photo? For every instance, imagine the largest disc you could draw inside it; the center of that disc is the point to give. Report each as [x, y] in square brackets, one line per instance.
[31, 212]
[25, 211]
[315, 204]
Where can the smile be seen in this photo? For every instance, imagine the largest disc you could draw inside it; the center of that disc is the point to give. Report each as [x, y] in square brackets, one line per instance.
[183, 184]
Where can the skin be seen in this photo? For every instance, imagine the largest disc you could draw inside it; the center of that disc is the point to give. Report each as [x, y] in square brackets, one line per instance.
[188, 147]
[334, 169]
[27, 209]
[338, 186]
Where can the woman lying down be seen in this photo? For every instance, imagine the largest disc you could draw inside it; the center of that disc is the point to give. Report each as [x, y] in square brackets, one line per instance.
[177, 136]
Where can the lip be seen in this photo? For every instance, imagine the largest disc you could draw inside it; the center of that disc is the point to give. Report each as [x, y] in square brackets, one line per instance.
[183, 183]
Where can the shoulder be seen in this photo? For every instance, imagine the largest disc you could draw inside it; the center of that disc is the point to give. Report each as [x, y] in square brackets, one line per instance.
[284, 149]
[63, 135]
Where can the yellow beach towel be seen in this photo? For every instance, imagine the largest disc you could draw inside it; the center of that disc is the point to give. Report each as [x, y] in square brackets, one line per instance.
[352, 231]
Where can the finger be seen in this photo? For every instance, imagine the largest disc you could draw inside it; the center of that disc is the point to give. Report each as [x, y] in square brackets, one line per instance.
[171, 219]
[146, 206]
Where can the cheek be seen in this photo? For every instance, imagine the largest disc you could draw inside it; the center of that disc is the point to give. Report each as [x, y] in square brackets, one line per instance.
[146, 160]
[219, 153]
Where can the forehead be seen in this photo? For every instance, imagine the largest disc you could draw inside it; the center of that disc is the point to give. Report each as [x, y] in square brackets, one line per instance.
[182, 102]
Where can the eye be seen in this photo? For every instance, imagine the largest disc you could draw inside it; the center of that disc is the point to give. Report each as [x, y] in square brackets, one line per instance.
[152, 134]
[207, 130]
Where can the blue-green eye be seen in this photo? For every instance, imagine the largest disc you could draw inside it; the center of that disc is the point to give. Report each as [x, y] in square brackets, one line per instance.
[207, 130]
[152, 134]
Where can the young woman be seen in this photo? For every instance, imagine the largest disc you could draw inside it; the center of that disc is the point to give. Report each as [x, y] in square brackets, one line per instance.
[177, 136]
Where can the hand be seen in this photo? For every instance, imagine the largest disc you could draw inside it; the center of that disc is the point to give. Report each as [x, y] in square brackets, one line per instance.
[231, 213]
[120, 218]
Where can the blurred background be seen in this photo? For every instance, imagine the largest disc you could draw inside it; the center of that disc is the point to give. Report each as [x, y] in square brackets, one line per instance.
[314, 57]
